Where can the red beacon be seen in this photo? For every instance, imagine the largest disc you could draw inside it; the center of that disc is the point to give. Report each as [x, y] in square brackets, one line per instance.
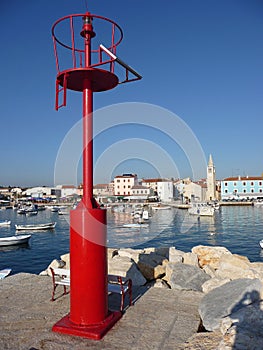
[93, 69]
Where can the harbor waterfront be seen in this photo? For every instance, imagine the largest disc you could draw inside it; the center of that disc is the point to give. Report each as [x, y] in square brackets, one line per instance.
[238, 228]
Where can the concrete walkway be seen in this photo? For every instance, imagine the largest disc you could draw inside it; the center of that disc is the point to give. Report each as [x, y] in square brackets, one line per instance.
[160, 318]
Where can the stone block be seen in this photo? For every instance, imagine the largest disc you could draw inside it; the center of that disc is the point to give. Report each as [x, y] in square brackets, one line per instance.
[152, 265]
[183, 276]
[210, 255]
[227, 299]
[126, 267]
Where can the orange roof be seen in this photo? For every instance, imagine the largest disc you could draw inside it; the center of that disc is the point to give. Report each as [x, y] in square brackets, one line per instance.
[153, 180]
[243, 178]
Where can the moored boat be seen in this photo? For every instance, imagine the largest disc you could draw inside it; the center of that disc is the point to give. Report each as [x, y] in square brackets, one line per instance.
[201, 209]
[137, 225]
[4, 273]
[161, 207]
[261, 243]
[14, 240]
[36, 227]
[5, 223]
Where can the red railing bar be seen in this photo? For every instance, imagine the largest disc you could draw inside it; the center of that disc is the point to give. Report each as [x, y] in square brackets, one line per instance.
[56, 54]
[73, 42]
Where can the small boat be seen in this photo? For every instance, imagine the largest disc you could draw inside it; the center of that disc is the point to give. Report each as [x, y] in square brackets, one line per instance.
[14, 240]
[4, 273]
[161, 207]
[31, 212]
[145, 215]
[201, 209]
[5, 223]
[138, 225]
[261, 243]
[36, 227]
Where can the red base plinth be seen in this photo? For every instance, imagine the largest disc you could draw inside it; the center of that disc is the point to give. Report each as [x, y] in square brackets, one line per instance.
[96, 331]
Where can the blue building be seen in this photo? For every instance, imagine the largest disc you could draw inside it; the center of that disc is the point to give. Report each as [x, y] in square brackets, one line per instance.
[242, 188]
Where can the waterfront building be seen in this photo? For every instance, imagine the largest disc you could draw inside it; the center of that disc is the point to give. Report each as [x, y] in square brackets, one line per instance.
[124, 183]
[152, 184]
[103, 192]
[38, 192]
[242, 188]
[190, 191]
[62, 191]
[211, 180]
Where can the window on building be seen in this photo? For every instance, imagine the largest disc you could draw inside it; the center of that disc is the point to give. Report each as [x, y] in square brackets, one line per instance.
[252, 183]
[260, 190]
[225, 183]
[123, 180]
[244, 183]
[118, 186]
[226, 191]
[252, 190]
[235, 191]
[129, 186]
[118, 180]
[260, 183]
[124, 186]
[244, 191]
[235, 183]
[128, 180]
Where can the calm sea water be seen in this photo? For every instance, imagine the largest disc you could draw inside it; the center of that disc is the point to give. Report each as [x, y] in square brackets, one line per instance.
[237, 228]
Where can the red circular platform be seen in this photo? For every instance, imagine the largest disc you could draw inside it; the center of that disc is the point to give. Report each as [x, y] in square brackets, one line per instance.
[100, 79]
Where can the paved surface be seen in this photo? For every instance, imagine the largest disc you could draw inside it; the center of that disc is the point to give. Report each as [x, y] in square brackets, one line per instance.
[160, 318]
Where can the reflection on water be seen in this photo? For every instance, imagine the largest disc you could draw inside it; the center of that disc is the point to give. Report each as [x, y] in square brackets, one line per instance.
[237, 228]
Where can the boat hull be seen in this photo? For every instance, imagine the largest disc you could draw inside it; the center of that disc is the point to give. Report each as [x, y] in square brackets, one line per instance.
[14, 240]
[40, 227]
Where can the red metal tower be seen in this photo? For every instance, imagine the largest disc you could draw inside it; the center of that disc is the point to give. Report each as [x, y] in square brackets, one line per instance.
[89, 315]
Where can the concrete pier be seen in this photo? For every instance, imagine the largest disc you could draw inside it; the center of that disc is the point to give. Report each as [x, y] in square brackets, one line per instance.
[160, 318]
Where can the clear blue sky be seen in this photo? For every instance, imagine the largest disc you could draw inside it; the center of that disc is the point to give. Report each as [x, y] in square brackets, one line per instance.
[200, 59]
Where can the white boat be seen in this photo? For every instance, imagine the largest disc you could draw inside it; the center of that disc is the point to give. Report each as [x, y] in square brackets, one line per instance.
[261, 243]
[201, 209]
[36, 227]
[135, 225]
[5, 223]
[161, 207]
[4, 273]
[258, 203]
[31, 212]
[63, 212]
[14, 240]
[145, 215]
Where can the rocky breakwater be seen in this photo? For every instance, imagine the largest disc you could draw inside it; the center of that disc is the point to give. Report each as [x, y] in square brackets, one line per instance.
[231, 307]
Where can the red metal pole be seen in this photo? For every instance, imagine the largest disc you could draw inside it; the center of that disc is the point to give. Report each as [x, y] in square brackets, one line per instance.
[88, 128]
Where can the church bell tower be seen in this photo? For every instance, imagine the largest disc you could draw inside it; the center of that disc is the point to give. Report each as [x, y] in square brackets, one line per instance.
[211, 180]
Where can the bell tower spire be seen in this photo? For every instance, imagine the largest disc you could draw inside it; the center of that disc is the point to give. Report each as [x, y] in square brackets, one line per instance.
[211, 180]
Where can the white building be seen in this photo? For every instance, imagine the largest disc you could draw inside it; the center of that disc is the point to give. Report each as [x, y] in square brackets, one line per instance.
[62, 191]
[189, 191]
[124, 183]
[38, 192]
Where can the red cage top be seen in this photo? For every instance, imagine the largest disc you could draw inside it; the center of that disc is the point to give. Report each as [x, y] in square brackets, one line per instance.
[70, 36]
